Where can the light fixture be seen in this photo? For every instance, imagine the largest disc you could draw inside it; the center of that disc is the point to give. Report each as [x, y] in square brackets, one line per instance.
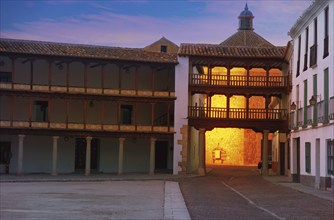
[293, 106]
[313, 100]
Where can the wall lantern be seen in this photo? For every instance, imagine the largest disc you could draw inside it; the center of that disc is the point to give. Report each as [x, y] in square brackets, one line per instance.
[313, 100]
[293, 106]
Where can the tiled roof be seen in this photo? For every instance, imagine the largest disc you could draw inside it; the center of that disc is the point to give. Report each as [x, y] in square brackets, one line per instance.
[217, 50]
[246, 38]
[84, 51]
[242, 44]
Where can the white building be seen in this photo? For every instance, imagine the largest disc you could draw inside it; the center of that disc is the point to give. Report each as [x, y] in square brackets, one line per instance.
[312, 97]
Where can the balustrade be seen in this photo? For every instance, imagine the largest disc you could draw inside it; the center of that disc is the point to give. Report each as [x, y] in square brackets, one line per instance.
[253, 81]
[237, 113]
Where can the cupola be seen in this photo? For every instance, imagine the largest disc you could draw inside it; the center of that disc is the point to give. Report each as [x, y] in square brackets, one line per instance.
[246, 19]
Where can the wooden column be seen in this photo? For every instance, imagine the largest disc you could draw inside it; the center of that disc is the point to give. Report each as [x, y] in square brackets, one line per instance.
[152, 115]
[67, 111]
[31, 74]
[153, 79]
[228, 75]
[119, 78]
[50, 75]
[88, 155]
[102, 78]
[67, 76]
[30, 110]
[11, 110]
[247, 72]
[228, 106]
[247, 106]
[13, 72]
[85, 76]
[136, 79]
[84, 112]
[49, 111]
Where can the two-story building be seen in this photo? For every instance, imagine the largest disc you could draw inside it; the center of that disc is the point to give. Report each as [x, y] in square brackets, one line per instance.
[68, 108]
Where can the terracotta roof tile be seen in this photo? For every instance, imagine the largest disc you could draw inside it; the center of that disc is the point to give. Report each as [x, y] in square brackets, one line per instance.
[246, 38]
[84, 51]
[226, 51]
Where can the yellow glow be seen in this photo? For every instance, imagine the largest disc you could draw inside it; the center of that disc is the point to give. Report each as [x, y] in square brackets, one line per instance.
[239, 146]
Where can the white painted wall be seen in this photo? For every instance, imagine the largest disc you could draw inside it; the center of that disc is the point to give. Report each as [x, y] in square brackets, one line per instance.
[322, 132]
[181, 107]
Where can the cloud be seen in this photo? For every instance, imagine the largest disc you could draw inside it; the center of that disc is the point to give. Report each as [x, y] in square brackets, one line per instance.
[117, 29]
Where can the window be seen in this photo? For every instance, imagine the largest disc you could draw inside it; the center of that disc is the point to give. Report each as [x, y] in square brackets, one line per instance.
[326, 96]
[41, 110]
[308, 157]
[126, 114]
[330, 157]
[298, 59]
[5, 76]
[163, 49]
[306, 50]
[326, 52]
[313, 49]
[305, 104]
[315, 92]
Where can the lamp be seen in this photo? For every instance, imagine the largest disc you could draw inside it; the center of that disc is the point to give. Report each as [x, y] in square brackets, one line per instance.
[293, 106]
[313, 100]
[60, 67]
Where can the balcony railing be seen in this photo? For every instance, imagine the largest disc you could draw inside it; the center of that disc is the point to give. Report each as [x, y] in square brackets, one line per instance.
[84, 90]
[56, 126]
[237, 113]
[251, 81]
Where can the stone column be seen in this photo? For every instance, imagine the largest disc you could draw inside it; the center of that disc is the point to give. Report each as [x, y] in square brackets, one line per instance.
[88, 152]
[265, 153]
[152, 156]
[54, 155]
[120, 155]
[201, 152]
[20, 155]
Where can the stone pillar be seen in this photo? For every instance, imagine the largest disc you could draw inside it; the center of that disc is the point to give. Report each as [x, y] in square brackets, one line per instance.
[120, 155]
[265, 153]
[201, 153]
[88, 155]
[152, 156]
[20, 155]
[54, 155]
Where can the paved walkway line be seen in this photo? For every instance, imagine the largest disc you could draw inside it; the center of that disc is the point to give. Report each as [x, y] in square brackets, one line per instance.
[174, 205]
[252, 202]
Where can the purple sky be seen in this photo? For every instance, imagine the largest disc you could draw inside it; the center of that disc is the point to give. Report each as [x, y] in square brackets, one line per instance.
[138, 23]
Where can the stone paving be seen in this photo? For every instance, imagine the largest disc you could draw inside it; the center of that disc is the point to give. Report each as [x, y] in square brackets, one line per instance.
[154, 199]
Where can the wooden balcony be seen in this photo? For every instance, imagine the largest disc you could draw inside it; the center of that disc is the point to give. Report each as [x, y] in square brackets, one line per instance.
[82, 91]
[256, 119]
[239, 84]
[71, 128]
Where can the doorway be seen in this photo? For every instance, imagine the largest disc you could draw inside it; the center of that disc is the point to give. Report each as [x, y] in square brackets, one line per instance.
[161, 156]
[5, 156]
[296, 156]
[80, 154]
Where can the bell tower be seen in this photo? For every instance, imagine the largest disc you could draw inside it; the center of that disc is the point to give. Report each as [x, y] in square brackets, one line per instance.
[246, 19]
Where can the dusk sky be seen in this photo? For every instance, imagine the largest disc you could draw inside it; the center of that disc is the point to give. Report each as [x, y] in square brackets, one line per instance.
[138, 23]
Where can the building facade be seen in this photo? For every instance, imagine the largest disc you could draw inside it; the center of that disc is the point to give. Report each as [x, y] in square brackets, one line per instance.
[68, 108]
[312, 97]
[241, 84]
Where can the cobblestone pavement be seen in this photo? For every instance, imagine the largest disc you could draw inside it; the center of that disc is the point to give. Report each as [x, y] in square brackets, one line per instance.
[241, 193]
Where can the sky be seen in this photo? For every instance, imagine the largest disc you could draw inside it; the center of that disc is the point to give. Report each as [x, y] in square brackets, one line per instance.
[138, 23]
